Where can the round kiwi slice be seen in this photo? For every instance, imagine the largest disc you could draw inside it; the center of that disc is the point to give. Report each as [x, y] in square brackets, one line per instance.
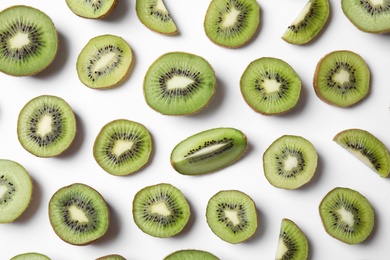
[78, 214]
[161, 210]
[342, 78]
[30, 256]
[15, 190]
[92, 9]
[104, 61]
[191, 254]
[179, 83]
[122, 147]
[347, 215]
[29, 41]
[232, 23]
[270, 86]
[111, 257]
[46, 126]
[290, 162]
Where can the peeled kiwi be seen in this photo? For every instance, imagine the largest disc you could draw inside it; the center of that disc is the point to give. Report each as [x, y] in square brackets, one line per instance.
[293, 244]
[30, 256]
[111, 257]
[191, 254]
[92, 9]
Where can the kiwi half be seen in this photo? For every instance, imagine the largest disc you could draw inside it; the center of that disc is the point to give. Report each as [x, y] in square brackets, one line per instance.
[111, 257]
[92, 9]
[293, 244]
[347, 215]
[191, 254]
[28, 41]
[30, 256]
[161, 210]
[46, 126]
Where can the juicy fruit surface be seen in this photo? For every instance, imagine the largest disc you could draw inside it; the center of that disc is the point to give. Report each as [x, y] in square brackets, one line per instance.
[28, 40]
[293, 244]
[30, 256]
[111, 257]
[208, 151]
[91, 8]
[191, 254]
[161, 210]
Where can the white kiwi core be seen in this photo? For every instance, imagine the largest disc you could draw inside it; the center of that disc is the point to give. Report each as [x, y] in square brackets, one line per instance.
[121, 146]
[19, 40]
[271, 85]
[346, 216]
[77, 214]
[178, 82]
[230, 18]
[161, 7]
[160, 208]
[377, 2]
[302, 14]
[341, 76]
[281, 250]
[45, 125]
[290, 163]
[104, 61]
[208, 149]
[232, 216]
[3, 190]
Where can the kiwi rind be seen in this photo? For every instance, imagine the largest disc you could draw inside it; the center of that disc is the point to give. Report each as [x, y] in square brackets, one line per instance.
[88, 9]
[30, 256]
[111, 257]
[191, 254]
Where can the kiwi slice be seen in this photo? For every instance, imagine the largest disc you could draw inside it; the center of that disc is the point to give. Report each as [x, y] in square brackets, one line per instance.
[161, 210]
[122, 147]
[111, 257]
[104, 61]
[78, 214]
[30, 256]
[290, 162]
[347, 215]
[29, 41]
[293, 244]
[342, 78]
[46, 126]
[232, 216]
[16, 189]
[191, 254]
[154, 15]
[208, 151]
[92, 9]
[367, 148]
[179, 83]
[270, 86]
[232, 23]
[308, 23]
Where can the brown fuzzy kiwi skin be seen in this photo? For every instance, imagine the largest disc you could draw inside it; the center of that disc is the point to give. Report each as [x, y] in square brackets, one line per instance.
[109, 11]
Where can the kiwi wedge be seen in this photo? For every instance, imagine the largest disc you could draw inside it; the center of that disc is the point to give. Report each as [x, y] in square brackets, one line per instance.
[347, 215]
[78, 214]
[367, 148]
[308, 23]
[208, 151]
[92, 9]
[161, 210]
[342, 78]
[191, 254]
[122, 147]
[232, 216]
[29, 41]
[293, 244]
[104, 62]
[290, 162]
[111, 257]
[30, 256]
[270, 86]
[179, 83]
[232, 23]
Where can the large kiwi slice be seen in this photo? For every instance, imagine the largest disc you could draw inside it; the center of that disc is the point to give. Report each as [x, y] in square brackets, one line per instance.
[232, 216]
[161, 210]
[342, 78]
[92, 9]
[270, 86]
[78, 214]
[232, 23]
[111, 257]
[191, 254]
[30, 256]
[104, 61]
[347, 215]
[290, 162]
[179, 83]
[29, 41]
[208, 151]
[367, 148]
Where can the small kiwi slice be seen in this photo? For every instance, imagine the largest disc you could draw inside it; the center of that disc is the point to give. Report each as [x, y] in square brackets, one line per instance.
[309, 22]
[111, 257]
[342, 78]
[208, 151]
[232, 23]
[367, 148]
[232, 216]
[46, 126]
[290, 162]
[270, 86]
[191, 254]
[28, 41]
[104, 61]
[30, 256]
[78, 214]
[293, 244]
[347, 215]
[92, 9]
[179, 83]
[122, 147]
[161, 210]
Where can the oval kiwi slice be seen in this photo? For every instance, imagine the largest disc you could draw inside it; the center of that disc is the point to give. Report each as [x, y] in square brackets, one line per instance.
[111, 257]
[92, 9]
[30, 256]
[191, 254]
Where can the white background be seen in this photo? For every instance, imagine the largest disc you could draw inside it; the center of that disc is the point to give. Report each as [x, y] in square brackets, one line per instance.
[311, 118]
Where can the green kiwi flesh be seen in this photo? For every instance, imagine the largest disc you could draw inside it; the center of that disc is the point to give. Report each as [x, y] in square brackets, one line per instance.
[367, 148]
[104, 61]
[342, 78]
[308, 23]
[290, 162]
[232, 23]
[270, 86]
[122, 147]
[191, 254]
[30, 256]
[28, 41]
[46, 126]
[16, 189]
[92, 9]
[347, 215]
[78, 214]
[232, 216]
[111, 257]
[293, 244]
[208, 151]
[161, 210]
